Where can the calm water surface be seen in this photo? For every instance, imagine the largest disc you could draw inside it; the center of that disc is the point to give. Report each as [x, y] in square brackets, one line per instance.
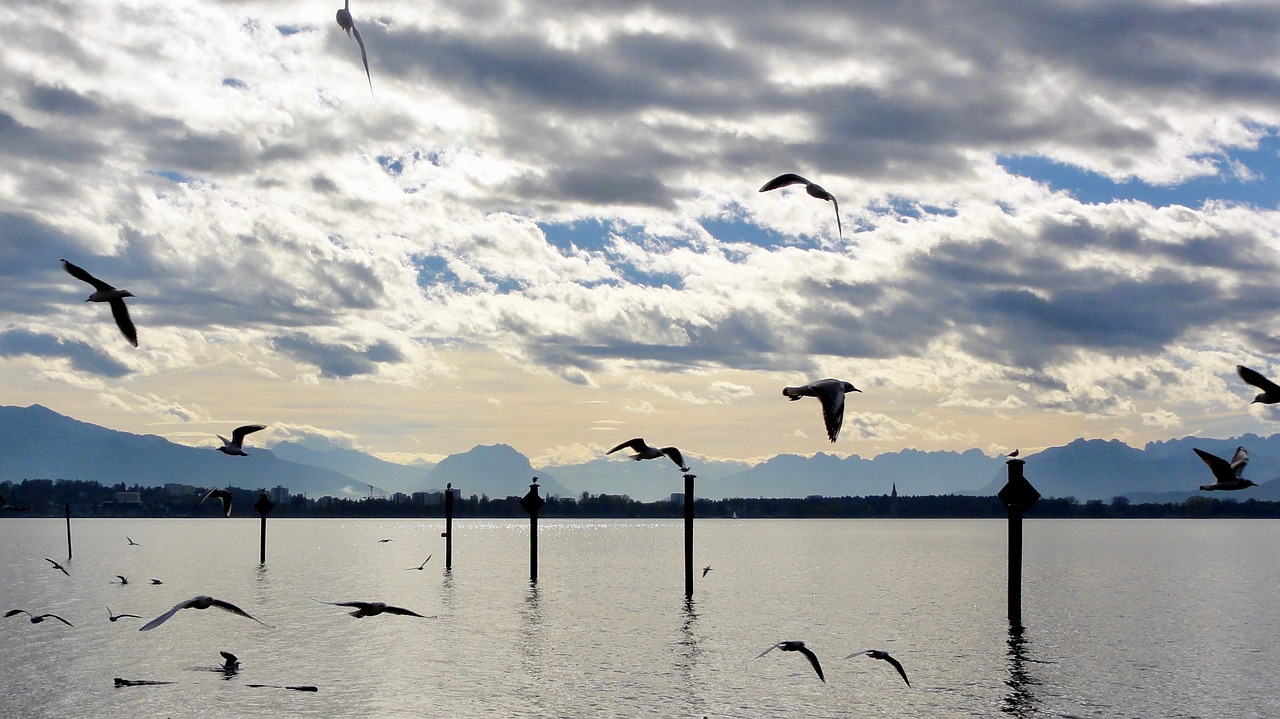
[1155, 618]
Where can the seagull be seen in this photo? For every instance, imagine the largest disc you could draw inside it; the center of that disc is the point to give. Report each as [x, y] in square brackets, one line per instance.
[830, 392]
[797, 646]
[1013, 454]
[136, 682]
[106, 293]
[814, 190]
[346, 23]
[644, 451]
[232, 664]
[156, 581]
[706, 569]
[420, 566]
[1228, 474]
[58, 566]
[384, 541]
[123, 579]
[37, 618]
[373, 609]
[235, 445]
[1270, 393]
[117, 617]
[200, 602]
[878, 654]
[132, 543]
[300, 688]
[222, 495]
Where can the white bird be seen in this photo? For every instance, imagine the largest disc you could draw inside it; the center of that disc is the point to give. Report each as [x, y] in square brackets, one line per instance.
[231, 664]
[221, 495]
[106, 293]
[830, 392]
[878, 654]
[58, 566]
[37, 618]
[200, 602]
[235, 445]
[373, 609]
[1270, 393]
[1227, 473]
[814, 190]
[346, 23]
[798, 646]
[118, 617]
[644, 451]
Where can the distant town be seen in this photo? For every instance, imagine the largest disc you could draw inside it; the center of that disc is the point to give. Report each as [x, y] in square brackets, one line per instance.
[53, 497]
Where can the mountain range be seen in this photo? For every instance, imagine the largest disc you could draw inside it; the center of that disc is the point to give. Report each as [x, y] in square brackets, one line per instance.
[38, 443]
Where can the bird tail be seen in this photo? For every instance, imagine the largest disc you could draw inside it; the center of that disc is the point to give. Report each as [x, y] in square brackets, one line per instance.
[792, 392]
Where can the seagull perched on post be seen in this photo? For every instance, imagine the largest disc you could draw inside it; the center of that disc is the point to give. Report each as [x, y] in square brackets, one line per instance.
[644, 451]
[813, 188]
[235, 445]
[200, 602]
[798, 646]
[1270, 393]
[830, 392]
[373, 609]
[104, 292]
[878, 654]
[1227, 473]
[37, 618]
[346, 23]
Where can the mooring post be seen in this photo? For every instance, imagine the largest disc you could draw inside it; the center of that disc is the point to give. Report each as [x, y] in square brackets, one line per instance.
[532, 504]
[1017, 495]
[688, 534]
[68, 506]
[448, 526]
[263, 507]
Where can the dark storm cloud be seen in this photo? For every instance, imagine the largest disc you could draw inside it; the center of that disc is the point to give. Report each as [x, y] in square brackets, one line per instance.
[337, 360]
[18, 342]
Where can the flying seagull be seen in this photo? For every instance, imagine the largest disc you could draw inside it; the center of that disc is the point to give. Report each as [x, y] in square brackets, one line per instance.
[878, 654]
[123, 579]
[231, 664]
[814, 190]
[1270, 393]
[221, 495]
[644, 451]
[346, 23]
[118, 617]
[1227, 473]
[156, 581]
[373, 609]
[137, 682]
[830, 392]
[235, 445]
[420, 566]
[384, 541]
[58, 566]
[200, 602]
[37, 618]
[706, 569]
[300, 688]
[797, 646]
[132, 543]
[106, 293]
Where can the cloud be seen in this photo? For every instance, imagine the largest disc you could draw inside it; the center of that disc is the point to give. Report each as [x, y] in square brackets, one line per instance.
[338, 360]
[19, 342]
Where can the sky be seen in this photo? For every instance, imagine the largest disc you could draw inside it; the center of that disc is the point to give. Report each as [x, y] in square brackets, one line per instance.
[541, 225]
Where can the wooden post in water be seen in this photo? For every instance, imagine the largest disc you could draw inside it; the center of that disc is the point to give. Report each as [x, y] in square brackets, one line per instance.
[1017, 495]
[448, 526]
[532, 504]
[263, 507]
[688, 534]
[68, 506]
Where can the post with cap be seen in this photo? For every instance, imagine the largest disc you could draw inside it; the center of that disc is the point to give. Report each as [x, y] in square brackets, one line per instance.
[532, 504]
[688, 534]
[1018, 495]
[448, 526]
[263, 507]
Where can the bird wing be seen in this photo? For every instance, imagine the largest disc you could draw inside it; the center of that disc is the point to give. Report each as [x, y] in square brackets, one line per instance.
[771, 648]
[636, 444]
[676, 457]
[832, 397]
[237, 437]
[1239, 461]
[1256, 379]
[357, 605]
[228, 606]
[12, 612]
[813, 659]
[80, 274]
[121, 313]
[164, 617]
[789, 178]
[839, 227]
[1220, 467]
[55, 616]
[364, 57]
[896, 665]
[229, 656]
[400, 610]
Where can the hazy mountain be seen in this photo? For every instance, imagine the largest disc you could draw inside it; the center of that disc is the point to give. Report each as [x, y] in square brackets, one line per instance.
[495, 470]
[360, 466]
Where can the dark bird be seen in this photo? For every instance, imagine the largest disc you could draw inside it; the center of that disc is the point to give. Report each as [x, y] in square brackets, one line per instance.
[132, 543]
[118, 617]
[156, 581]
[1014, 453]
[1270, 393]
[123, 579]
[37, 618]
[300, 688]
[58, 566]
[830, 392]
[106, 293]
[136, 682]
[232, 664]
[200, 602]
[221, 495]
[373, 609]
[346, 23]
[1227, 473]
[878, 654]
[235, 445]
[797, 646]
[420, 566]
[706, 569]
[644, 451]
[814, 190]
[384, 541]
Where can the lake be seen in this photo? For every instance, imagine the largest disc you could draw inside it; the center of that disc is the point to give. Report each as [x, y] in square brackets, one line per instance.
[1123, 618]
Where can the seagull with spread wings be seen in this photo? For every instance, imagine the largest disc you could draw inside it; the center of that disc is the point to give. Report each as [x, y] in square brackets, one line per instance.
[221, 495]
[1228, 474]
[37, 618]
[200, 602]
[235, 445]
[104, 292]
[813, 188]
[879, 654]
[644, 451]
[373, 609]
[798, 646]
[1270, 393]
[346, 23]
[831, 393]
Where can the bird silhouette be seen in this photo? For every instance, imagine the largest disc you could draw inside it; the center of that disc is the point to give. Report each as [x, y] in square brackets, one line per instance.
[373, 609]
[1227, 473]
[104, 292]
[798, 646]
[221, 495]
[346, 23]
[706, 569]
[200, 602]
[58, 566]
[644, 451]
[420, 566]
[37, 618]
[1270, 393]
[232, 663]
[132, 543]
[878, 654]
[235, 445]
[830, 392]
[1013, 454]
[118, 617]
[123, 579]
[813, 188]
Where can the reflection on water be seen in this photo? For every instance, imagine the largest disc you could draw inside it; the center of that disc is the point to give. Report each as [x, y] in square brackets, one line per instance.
[1021, 700]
